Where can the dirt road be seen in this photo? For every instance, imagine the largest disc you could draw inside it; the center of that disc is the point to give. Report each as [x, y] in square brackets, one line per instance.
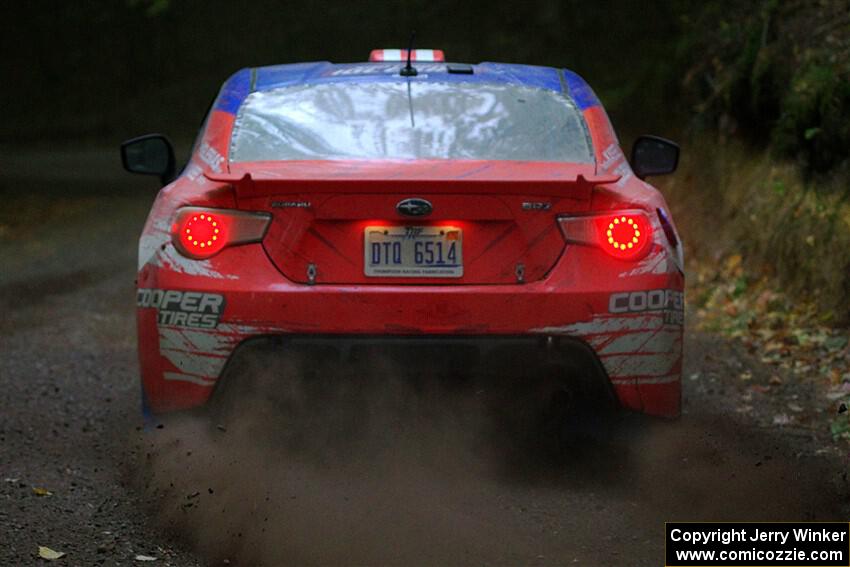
[189, 495]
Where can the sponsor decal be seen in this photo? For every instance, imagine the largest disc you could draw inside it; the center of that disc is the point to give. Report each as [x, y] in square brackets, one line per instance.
[193, 309]
[291, 204]
[194, 172]
[611, 155]
[210, 156]
[671, 302]
[199, 355]
[655, 263]
[634, 348]
[386, 68]
[614, 162]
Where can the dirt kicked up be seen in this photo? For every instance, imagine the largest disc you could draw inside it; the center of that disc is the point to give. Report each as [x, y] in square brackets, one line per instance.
[424, 478]
[420, 478]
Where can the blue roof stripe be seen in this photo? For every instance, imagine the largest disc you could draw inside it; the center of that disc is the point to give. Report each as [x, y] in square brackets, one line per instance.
[234, 91]
[528, 75]
[287, 75]
[239, 85]
[580, 91]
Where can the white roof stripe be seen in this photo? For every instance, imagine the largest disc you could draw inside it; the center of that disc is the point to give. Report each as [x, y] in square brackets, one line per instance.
[392, 54]
[426, 55]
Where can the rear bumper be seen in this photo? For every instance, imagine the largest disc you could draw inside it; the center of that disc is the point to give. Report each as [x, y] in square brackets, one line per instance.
[636, 341]
[483, 362]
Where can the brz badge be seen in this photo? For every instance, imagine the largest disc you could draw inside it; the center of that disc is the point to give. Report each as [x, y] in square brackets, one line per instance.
[536, 206]
[414, 207]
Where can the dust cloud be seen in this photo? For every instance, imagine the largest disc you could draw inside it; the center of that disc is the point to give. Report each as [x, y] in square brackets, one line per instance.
[342, 466]
[333, 469]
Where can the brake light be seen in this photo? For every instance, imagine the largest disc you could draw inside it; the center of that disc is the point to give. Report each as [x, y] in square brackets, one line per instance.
[625, 235]
[201, 233]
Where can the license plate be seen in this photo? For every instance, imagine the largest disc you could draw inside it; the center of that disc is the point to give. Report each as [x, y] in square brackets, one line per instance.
[413, 251]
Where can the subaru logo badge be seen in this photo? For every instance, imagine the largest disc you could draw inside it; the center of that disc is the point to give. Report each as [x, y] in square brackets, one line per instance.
[414, 207]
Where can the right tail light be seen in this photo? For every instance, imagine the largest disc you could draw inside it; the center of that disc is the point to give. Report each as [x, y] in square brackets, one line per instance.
[625, 235]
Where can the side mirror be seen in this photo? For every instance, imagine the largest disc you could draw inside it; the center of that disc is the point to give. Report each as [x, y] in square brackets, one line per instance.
[652, 155]
[149, 155]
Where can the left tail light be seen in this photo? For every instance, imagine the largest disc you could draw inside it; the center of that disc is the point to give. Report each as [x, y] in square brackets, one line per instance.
[626, 235]
[200, 233]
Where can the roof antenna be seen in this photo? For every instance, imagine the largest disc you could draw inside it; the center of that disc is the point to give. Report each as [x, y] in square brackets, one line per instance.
[409, 70]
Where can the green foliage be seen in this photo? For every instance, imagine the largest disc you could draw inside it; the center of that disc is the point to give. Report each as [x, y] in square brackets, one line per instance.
[740, 286]
[776, 74]
[782, 226]
[814, 125]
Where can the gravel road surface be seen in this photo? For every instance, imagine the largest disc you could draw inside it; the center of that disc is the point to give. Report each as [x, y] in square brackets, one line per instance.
[191, 494]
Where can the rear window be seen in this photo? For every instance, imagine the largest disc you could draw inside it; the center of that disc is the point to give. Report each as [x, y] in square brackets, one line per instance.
[409, 120]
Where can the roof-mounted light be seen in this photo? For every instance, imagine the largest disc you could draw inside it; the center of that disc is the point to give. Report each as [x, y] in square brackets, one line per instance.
[398, 55]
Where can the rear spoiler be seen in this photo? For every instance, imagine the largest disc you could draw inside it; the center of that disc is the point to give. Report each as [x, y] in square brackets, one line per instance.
[247, 186]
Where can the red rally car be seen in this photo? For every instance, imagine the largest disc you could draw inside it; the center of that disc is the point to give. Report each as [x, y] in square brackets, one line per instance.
[483, 210]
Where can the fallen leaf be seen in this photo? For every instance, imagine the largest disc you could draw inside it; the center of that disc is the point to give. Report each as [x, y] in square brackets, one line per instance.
[775, 380]
[49, 554]
[145, 558]
[733, 262]
[38, 491]
[746, 375]
[836, 343]
[797, 408]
